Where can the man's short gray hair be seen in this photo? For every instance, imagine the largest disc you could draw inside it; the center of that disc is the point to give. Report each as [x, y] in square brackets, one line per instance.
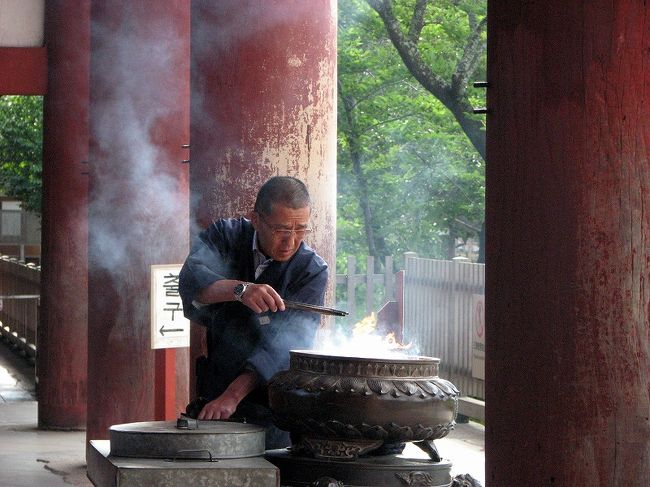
[284, 190]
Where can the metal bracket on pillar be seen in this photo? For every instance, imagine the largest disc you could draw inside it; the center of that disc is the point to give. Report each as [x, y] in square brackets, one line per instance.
[481, 84]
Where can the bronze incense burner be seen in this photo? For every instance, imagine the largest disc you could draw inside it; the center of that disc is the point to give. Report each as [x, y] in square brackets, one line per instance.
[341, 407]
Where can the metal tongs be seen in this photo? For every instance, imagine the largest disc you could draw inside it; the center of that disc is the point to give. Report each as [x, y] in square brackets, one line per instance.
[312, 307]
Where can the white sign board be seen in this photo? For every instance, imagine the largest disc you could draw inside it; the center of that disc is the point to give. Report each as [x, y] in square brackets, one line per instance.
[478, 336]
[169, 328]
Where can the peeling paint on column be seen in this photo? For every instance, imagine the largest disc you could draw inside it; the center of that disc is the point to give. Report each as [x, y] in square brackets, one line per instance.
[264, 105]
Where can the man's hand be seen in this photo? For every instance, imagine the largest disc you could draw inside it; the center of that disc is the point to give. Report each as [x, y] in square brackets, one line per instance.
[220, 408]
[225, 405]
[261, 298]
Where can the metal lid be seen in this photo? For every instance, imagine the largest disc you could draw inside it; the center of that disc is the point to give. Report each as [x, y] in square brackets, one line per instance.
[210, 440]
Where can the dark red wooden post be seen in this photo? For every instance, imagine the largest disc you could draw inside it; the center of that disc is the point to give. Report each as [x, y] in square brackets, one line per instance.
[138, 209]
[23, 70]
[263, 104]
[62, 331]
[568, 244]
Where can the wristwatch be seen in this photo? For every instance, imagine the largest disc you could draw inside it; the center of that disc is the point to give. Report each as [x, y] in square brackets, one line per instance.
[240, 289]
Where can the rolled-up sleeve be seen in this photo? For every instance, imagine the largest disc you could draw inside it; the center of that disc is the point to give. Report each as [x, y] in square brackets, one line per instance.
[290, 329]
[206, 264]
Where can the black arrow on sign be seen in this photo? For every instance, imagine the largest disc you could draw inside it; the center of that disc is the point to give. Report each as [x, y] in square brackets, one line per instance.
[163, 330]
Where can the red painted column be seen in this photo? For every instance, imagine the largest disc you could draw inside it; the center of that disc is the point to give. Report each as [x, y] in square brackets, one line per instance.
[138, 209]
[23, 70]
[263, 104]
[568, 244]
[62, 330]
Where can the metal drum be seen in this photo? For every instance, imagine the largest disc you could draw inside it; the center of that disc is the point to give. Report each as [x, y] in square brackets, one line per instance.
[181, 453]
[214, 440]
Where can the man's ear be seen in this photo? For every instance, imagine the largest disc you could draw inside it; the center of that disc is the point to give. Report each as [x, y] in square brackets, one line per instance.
[254, 218]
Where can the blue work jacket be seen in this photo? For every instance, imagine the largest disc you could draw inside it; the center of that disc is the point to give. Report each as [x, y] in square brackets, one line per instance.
[238, 338]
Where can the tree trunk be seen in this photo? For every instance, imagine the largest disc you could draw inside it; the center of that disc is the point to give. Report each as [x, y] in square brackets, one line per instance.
[376, 245]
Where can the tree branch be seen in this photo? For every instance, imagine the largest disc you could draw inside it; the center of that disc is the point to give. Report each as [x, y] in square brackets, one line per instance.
[408, 50]
[468, 63]
[434, 84]
[388, 120]
[417, 21]
[381, 88]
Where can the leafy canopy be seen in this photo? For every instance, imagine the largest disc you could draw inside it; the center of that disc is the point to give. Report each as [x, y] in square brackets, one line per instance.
[21, 149]
[420, 170]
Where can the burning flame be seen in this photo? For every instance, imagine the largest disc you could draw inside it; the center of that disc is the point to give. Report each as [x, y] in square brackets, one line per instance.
[362, 340]
[393, 344]
[368, 327]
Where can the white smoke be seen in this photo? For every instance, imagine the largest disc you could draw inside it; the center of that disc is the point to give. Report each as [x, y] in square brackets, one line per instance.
[135, 195]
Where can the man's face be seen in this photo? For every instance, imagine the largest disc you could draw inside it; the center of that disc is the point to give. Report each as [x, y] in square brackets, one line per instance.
[280, 233]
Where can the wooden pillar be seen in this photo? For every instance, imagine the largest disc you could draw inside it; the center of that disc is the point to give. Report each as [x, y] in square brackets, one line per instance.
[62, 331]
[138, 210]
[23, 70]
[263, 104]
[568, 244]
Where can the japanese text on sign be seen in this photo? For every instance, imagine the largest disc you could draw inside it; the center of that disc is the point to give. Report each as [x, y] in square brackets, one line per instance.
[169, 328]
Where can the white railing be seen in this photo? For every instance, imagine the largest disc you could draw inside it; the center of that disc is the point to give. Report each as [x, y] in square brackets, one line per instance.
[19, 304]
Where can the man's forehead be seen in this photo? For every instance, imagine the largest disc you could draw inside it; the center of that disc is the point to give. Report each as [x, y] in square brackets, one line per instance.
[293, 223]
[281, 210]
[285, 216]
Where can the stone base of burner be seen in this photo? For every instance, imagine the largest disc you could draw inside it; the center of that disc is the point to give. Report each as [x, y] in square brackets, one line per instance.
[376, 471]
[106, 470]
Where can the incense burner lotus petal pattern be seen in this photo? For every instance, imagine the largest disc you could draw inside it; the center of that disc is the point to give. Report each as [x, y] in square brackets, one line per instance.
[354, 405]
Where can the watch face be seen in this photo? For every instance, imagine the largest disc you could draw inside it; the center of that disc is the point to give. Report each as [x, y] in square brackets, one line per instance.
[239, 289]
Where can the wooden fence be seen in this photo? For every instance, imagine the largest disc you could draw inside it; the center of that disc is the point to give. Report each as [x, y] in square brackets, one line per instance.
[377, 288]
[440, 298]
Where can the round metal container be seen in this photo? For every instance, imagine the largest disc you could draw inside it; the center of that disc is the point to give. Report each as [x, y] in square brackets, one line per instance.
[344, 406]
[210, 440]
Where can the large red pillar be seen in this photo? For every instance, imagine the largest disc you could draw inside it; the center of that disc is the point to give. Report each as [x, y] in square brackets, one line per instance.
[568, 244]
[138, 209]
[62, 331]
[263, 104]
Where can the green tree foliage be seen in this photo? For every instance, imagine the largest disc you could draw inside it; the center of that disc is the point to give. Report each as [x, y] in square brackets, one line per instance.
[21, 149]
[410, 176]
